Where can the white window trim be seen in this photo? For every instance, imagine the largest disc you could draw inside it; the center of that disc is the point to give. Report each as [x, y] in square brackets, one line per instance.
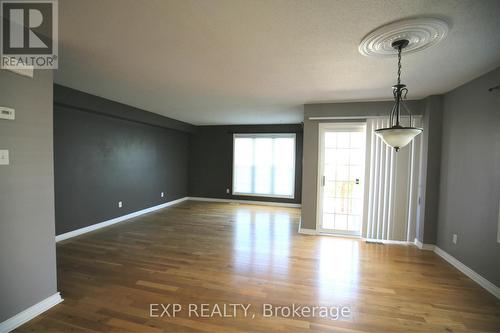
[273, 136]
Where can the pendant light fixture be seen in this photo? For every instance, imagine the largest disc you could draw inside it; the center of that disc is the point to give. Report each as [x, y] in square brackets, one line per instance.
[398, 135]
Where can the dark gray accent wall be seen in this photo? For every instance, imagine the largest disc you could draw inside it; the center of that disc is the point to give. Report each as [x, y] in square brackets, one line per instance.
[470, 176]
[75, 99]
[27, 244]
[211, 160]
[101, 159]
[430, 164]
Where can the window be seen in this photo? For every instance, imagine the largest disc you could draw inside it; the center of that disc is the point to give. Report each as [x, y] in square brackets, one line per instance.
[264, 165]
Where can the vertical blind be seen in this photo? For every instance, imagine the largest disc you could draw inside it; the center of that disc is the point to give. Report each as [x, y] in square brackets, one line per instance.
[264, 164]
[390, 199]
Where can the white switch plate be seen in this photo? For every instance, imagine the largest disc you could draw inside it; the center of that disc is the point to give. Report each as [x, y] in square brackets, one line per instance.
[7, 113]
[120, 204]
[455, 238]
[162, 194]
[4, 157]
[227, 190]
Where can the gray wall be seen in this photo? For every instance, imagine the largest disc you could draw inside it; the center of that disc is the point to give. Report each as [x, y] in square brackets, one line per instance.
[470, 176]
[101, 159]
[311, 128]
[430, 164]
[211, 160]
[27, 245]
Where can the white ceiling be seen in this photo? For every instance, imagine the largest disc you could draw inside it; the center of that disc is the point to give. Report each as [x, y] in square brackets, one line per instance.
[244, 62]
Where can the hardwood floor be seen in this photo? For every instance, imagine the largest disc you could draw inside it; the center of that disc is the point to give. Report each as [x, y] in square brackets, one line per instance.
[219, 253]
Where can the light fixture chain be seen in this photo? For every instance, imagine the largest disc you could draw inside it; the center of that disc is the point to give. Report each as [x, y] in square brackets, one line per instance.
[399, 65]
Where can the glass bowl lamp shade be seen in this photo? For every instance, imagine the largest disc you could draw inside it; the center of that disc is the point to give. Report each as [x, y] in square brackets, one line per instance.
[397, 135]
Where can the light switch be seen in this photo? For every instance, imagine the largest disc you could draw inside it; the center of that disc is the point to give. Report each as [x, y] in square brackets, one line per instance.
[4, 157]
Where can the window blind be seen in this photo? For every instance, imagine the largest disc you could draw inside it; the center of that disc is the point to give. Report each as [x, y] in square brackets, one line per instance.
[264, 165]
[390, 198]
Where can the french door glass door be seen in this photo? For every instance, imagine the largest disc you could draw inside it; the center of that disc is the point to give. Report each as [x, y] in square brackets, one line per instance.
[341, 175]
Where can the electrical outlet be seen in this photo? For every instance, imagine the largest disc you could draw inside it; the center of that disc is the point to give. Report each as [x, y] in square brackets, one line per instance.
[7, 113]
[227, 191]
[162, 194]
[120, 204]
[455, 238]
[4, 157]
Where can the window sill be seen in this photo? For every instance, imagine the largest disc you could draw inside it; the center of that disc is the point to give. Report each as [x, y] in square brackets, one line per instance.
[264, 195]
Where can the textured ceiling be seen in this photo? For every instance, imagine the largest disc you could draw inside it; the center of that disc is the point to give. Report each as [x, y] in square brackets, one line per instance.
[242, 62]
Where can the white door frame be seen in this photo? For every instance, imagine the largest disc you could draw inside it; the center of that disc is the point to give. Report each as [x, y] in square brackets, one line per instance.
[322, 128]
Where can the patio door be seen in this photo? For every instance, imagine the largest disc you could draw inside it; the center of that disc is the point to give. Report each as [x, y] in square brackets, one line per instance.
[341, 178]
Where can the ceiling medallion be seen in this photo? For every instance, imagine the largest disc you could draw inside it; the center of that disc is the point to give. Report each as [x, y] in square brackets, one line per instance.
[421, 33]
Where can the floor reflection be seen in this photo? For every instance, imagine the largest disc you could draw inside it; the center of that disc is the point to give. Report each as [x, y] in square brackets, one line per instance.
[261, 242]
[338, 267]
[263, 246]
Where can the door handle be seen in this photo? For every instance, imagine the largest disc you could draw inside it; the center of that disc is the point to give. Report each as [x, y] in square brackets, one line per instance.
[323, 180]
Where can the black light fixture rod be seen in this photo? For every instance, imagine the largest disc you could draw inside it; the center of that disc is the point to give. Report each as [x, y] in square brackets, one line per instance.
[398, 88]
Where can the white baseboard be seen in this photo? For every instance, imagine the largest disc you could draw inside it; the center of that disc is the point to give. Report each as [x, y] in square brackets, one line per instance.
[387, 241]
[249, 202]
[493, 289]
[30, 313]
[305, 231]
[104, 224]
[314, 232]
[422, 246]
